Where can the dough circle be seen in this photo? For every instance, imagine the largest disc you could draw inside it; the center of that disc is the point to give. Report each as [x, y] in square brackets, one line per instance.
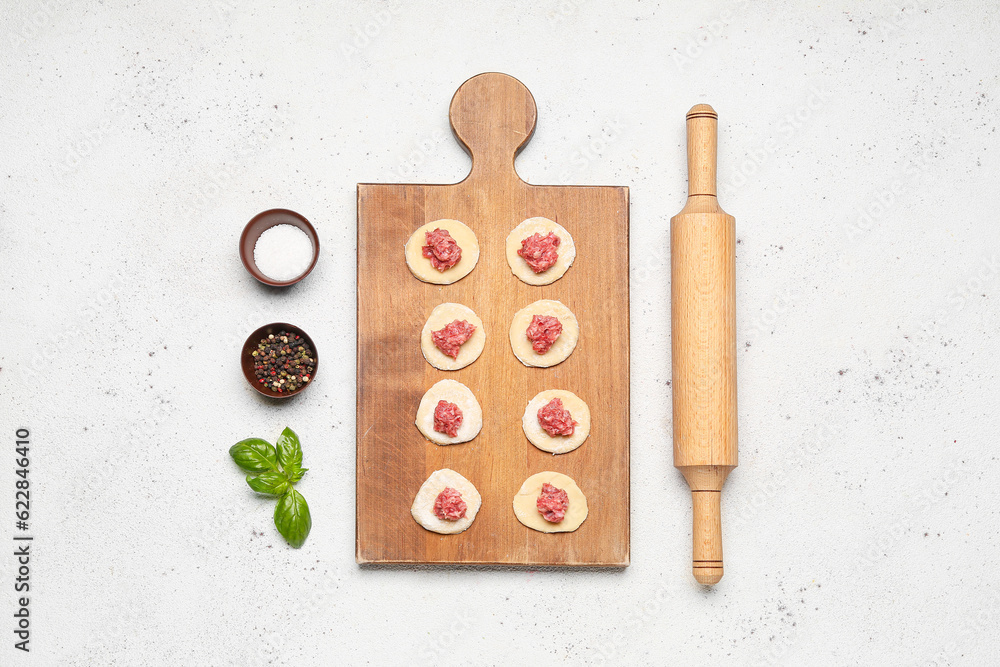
[442, 316]
[557, 444]
[421, 267]
[520, 268]
[527, 512]
[560, 350]
[457, 393]
[422, 509]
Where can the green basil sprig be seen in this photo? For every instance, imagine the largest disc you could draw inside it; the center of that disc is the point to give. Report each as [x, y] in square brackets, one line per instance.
[274, 471]
[291, 516]
[253, 455]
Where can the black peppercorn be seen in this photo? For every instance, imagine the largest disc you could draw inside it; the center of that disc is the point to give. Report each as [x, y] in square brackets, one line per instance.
[280, 367]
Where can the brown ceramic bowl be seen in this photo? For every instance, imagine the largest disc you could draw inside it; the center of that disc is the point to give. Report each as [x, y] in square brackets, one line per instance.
[264, 221]
[246, 358]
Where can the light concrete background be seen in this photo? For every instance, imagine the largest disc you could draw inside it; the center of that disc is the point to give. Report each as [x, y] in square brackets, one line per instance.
[858, 152]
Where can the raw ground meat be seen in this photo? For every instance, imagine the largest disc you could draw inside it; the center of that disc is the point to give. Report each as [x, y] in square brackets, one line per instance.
[449, 506]
[441, 249]
[448, 417]
[453, 336]
[540, 251]
[542, 332]
[552, 503]
[553, 417]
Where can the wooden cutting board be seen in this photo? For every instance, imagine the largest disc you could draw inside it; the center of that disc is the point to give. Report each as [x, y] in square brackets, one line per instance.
[492, 116]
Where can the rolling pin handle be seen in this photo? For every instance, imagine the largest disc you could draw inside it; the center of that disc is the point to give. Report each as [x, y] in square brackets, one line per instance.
[706, 562]
[702, 142]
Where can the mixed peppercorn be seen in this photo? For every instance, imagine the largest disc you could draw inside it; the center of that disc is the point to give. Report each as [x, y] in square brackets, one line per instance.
[283, 362]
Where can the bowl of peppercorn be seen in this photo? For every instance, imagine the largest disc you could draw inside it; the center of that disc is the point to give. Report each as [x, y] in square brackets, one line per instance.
[279, 360]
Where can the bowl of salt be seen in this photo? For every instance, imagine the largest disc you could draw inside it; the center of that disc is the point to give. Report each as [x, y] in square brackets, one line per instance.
[279, 247]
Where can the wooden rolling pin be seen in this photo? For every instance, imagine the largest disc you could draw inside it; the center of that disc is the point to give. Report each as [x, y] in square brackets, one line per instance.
[703, 322]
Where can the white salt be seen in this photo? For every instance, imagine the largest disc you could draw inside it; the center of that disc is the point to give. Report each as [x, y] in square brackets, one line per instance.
[283, 252]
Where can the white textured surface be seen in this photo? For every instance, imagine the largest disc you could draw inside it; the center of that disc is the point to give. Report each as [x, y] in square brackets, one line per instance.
[137, 139]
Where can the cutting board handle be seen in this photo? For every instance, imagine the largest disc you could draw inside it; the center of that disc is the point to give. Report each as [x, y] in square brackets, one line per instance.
[493, 116]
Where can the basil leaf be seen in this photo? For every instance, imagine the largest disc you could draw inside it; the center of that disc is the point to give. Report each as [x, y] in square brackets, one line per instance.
[272, 483]
[296, 474]
[253, 455]
[289, 450]
[291, 518]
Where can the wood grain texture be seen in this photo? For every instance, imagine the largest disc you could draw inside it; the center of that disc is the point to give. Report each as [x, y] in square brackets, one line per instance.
[703, 330]
[492, 116]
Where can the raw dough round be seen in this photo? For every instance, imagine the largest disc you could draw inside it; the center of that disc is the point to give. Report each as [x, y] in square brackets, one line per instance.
[557, 444]
[421, 267]
[566, 251]
[457, 393]
[442, 316]
[527, 512]
[562, 348]
[423, 505]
